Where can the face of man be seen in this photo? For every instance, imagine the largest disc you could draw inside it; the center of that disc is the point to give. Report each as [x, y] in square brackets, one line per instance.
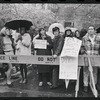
[91, 30]
[56, 33]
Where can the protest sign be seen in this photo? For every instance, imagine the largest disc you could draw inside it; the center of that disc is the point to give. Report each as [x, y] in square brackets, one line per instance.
[40, 44]
[68, 68]
[71, 47]
[69, 58]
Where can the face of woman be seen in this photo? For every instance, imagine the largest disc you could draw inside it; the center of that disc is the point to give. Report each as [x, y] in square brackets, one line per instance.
[42, 32]
[68, 33]
[8, 32]
[77, 34]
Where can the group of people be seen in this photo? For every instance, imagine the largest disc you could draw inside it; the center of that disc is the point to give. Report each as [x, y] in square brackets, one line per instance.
[20, 44]
[15, 44]
[90, 46]
[54, 48]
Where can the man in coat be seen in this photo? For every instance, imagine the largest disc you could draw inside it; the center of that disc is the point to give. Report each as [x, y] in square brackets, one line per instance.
[91, 43]
[58, 42]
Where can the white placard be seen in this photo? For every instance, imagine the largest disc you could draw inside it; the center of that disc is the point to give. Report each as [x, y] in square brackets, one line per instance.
[68, 68]
[40, 44]
[69, 58]
[71, 47]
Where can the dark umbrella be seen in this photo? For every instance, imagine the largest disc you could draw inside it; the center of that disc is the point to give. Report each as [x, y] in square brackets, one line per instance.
[15, 24]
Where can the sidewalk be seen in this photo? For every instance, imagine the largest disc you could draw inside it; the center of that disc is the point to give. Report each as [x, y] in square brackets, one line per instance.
[15, 77]
[31, 89]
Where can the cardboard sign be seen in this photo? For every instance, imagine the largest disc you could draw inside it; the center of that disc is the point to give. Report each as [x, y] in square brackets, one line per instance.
[71, 47]
[40, 44]
[69, 58]
[68, 68]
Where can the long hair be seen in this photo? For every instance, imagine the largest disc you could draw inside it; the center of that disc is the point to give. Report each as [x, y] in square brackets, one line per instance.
[3, 33]
[40, 31]
[70, 35]
[76, 35]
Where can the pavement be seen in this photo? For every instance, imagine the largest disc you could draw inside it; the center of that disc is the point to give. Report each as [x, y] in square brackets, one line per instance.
[31, 89]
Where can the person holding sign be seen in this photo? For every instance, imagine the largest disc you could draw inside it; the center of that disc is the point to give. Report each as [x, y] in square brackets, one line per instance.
[92, 47]
[69, 57]
[45, 49]
[58, 42]
[69, 34]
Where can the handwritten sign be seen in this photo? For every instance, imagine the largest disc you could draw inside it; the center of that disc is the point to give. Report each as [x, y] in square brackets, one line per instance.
[71, 47]
[40, 44]
[68, 68]
[69, 58]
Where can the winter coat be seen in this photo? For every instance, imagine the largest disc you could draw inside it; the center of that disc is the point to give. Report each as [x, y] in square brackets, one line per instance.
[25, 45]
[58, 43]
[45, 68]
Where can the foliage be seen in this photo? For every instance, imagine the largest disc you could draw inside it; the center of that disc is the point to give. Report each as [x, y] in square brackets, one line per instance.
[41, 17]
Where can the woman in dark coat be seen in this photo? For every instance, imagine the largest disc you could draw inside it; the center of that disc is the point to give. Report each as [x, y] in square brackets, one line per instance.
[44, 70]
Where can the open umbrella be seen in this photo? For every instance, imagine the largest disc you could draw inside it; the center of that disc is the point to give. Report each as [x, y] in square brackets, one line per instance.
[15, 24]
[60, 26]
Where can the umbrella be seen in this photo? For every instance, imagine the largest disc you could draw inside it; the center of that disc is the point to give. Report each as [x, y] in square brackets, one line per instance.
[60, 26]
[15, 24]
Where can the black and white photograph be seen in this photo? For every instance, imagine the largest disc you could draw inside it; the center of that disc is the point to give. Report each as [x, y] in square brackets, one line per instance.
[49, 50]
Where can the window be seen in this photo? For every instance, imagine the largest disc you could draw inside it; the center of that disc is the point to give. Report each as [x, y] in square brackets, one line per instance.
[68, 24]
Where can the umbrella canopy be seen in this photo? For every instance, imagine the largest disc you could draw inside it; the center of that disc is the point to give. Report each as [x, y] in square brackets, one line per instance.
[60, 26]
[15, 24]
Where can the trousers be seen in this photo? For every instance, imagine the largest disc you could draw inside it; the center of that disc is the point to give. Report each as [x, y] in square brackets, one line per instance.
[86, 75]
[55, 76]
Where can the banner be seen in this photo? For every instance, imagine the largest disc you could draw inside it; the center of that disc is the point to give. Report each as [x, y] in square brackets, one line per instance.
[69, 58]
[45, 60]
[23, 59]
[40, 44]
